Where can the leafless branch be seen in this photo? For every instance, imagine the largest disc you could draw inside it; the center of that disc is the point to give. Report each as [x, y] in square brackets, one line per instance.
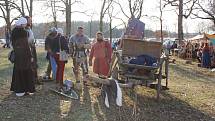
[121, 20]
[15, 18]
[191, 9]
[26, 3]
[3, 12]
[108, 6]
[2, 17]
[171, 2]
[141, 7]
[118, 3]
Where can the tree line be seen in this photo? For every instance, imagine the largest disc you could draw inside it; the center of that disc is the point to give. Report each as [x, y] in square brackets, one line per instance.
[41, 30]
[202, 9]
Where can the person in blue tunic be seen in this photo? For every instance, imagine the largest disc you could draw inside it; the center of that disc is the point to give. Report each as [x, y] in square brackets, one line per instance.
[206, 59]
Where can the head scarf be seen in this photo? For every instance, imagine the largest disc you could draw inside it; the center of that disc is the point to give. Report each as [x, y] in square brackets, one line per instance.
[53, 30]
[21, 21]
[60, 31]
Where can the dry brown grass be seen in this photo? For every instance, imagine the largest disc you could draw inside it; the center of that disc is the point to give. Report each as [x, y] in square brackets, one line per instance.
[191, 97]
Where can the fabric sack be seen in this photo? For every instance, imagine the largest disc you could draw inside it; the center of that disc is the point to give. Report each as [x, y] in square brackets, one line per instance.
[11, 56]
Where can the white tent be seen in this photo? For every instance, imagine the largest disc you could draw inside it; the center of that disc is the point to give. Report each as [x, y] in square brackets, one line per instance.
[197, 37]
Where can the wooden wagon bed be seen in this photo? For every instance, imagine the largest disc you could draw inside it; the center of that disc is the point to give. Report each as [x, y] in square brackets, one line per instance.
[133, 48]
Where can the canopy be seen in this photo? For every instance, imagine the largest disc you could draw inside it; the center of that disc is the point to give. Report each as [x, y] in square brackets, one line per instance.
[211, 38]
[197, 37]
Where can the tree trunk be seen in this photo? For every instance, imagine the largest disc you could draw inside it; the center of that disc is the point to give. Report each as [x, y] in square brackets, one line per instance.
[91, 28]
[31, 8]
[7, 19]
[31, 11]
[23, 10]
[110, 27]
[68, 17]
[101, 23]
[101, 16]
[54, 13]
[180, 21]
[55, 21]
[161, 22]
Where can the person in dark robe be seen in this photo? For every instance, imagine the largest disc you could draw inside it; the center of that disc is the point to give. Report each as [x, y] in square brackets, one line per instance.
[23, 76]
[206, 59]
[199, 55]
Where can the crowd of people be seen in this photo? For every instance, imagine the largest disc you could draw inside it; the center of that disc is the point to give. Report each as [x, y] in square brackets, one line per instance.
[204, 53]
[78, 46]
[83, 52]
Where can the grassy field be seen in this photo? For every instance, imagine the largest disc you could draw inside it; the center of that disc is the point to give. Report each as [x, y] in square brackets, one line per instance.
[191, 97]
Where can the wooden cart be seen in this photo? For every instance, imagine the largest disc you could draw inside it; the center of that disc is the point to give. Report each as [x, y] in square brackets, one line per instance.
[132, 48]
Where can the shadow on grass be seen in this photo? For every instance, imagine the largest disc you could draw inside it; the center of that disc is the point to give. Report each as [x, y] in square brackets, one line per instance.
[47, 106]
[6, 70]
[6, 75]
[169, 108]
[43, 106]
[81, 110]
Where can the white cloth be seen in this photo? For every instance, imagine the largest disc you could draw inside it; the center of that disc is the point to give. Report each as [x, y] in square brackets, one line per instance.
[21, 21]
[118, 98]
[60, 30]
[106, 100]
[119, 95]
[53, 29]
[31, 36]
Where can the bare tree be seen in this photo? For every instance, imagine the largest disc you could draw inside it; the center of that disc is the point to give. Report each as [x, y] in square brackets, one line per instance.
[206, 12]
[104, 9]
[185, 8]
[65, 7]
[54, 12]
[110, 14]
[68, 16]
[91, 20]
[135, 8]
[29, 6]
[22, 7]
[6, 6]
[161, 21]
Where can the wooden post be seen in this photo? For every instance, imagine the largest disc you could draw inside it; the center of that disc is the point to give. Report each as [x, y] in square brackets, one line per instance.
[167, 70]
[159, 79]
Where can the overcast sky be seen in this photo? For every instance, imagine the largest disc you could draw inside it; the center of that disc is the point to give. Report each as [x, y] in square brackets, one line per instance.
[150, 8]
